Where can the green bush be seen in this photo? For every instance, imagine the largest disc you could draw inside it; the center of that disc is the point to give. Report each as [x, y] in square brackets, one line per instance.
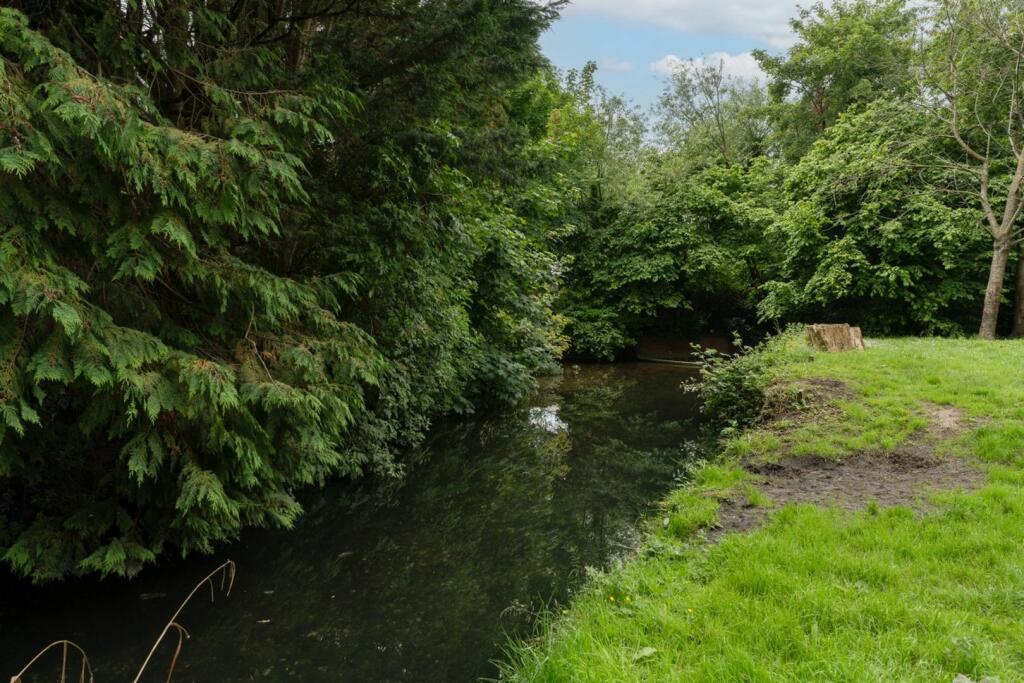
[733, 386]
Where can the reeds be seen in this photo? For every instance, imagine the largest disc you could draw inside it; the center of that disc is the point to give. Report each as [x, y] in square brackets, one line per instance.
[65, 654]
[226, 573]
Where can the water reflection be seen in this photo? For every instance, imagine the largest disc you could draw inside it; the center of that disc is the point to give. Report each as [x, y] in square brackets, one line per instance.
[501, 516]
[546, 418]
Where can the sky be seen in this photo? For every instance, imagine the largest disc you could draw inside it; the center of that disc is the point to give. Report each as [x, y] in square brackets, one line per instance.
[636, 42]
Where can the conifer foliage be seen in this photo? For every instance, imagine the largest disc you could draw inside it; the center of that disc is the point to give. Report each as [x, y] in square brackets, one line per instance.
[169, 371]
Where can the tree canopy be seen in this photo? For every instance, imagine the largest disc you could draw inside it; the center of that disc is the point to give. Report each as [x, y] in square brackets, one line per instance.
[248, 247]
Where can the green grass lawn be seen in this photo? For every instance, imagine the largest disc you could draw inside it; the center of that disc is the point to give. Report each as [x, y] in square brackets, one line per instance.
[880, 594]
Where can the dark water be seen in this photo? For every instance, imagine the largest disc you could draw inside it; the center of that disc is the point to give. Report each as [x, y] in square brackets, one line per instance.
[423, 583]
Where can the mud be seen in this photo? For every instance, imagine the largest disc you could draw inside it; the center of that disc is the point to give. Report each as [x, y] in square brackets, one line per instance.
[902, 477]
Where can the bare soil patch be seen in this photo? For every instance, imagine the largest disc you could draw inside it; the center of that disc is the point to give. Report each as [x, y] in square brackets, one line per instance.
[888, 479]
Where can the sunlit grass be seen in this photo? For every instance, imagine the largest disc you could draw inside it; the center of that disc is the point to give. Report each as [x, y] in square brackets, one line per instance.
[885, 594]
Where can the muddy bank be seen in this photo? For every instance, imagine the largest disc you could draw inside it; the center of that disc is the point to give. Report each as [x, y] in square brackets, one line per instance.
[901, 477]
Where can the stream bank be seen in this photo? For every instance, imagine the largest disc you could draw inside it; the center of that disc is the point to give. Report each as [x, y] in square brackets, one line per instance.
[500, 518]
[882, 504]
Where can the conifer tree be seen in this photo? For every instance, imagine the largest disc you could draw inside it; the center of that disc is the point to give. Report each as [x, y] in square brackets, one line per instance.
[188, 323]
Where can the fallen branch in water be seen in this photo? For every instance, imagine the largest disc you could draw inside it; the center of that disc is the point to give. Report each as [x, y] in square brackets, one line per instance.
[226, 572]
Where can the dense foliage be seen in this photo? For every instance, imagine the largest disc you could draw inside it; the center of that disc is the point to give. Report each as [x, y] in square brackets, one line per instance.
[685, 254]
[247, 247]
[864, 239]
[250, 247]
[837, 191]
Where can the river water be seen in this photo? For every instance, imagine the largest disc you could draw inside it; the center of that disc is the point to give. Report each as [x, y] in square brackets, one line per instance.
[425, 582]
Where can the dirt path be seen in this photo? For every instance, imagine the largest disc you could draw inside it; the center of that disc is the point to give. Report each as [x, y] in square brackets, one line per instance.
[898, 478]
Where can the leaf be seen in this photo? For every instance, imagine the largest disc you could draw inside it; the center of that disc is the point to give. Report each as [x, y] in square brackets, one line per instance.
[68, 317]
[11, 419]
[28, 414]
[174, 229]
[18, 162]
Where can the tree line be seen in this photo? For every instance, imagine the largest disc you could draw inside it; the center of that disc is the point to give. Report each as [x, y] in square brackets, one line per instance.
[873, 177]
[247, 247]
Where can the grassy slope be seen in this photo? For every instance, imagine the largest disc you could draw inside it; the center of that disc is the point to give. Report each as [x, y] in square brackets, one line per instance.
[821, 595]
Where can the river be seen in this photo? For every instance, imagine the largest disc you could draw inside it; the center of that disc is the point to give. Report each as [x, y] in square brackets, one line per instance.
[423, 581]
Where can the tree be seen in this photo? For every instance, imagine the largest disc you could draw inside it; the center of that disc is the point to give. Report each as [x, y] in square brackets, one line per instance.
[975, 85]
[597, 141]
[715, 116]
[847, 53]
[680, 246]
[868, 238]
[247, 247]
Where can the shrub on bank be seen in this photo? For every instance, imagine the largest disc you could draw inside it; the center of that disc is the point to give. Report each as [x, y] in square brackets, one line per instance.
[734, 387]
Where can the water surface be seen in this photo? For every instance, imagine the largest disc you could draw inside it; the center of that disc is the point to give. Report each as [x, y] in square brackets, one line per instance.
[423, 582]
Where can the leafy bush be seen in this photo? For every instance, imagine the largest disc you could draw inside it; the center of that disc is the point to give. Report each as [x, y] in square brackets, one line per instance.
[733, 386]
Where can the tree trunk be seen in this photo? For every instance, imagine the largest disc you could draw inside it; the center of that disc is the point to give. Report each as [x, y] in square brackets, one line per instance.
[1018, 299]
[994, 290]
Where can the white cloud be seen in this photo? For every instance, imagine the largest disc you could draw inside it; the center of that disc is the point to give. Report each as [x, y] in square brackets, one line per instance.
[765, 20]
[742, 65]
[665, 66]
[614, 64]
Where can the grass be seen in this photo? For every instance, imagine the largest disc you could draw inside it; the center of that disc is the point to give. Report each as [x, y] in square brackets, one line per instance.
[883, 594]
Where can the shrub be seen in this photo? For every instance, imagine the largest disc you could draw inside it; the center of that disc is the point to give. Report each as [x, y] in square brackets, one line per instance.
[733, 386]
